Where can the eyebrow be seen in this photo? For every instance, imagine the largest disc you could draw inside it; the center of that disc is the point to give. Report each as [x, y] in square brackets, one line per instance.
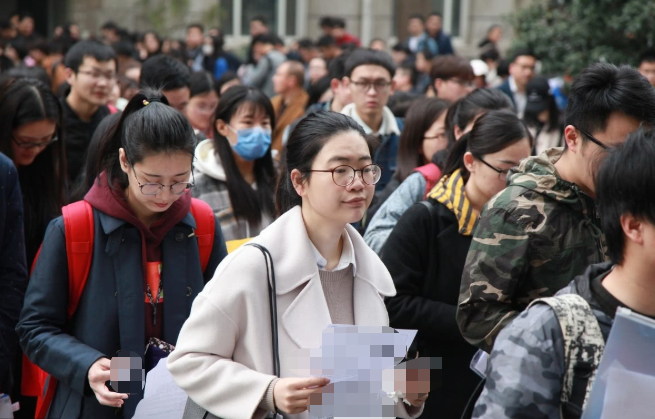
[179, 174]
[507, 162]
[346, 159]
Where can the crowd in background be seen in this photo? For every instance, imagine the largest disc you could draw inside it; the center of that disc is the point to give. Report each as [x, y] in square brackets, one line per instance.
[443, 129]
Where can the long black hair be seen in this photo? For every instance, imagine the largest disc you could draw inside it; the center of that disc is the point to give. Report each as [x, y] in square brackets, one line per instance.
[147, 126]
[492, 132]
[43, 183]
[305, 142]
[247, 203]
[420, 117]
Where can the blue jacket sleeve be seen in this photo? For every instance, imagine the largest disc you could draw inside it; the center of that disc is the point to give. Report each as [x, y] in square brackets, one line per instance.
[526, 369]
[219, 251]
[44, 324]
[13, 268]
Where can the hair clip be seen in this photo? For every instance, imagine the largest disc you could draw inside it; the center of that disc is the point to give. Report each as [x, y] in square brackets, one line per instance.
[145, 102]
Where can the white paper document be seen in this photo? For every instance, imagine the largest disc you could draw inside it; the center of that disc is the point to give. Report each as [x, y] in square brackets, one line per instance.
[162, 398]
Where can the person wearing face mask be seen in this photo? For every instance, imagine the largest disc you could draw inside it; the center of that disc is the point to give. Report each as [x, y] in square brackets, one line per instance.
[218, 61]
[234, 171]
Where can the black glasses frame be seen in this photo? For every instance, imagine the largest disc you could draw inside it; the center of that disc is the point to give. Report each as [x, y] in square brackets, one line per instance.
[162, 186]
[378, 85]
[494, 168]
[354, 173]
[593, 139]
[29, 144]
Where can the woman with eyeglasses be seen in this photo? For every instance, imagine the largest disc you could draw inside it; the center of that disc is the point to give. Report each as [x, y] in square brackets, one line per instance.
[426, 251]
[324, 273]
[234, 170]
[30, 135]
[145, 268]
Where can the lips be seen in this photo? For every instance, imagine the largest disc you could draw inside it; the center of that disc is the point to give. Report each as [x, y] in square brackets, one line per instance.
[356, 201]
[161, 205]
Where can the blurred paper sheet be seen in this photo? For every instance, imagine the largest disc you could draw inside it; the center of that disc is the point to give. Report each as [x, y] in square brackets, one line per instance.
[162, 397]
[629, 394]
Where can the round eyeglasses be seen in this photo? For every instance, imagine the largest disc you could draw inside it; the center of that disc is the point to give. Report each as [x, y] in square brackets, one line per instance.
[178, 188]
[345, 175]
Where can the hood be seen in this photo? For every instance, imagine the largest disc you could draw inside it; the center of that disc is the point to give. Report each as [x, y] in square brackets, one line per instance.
[581, 285]
[207, 161]
[538, 174]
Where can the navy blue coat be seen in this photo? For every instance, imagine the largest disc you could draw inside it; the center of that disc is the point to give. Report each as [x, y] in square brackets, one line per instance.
[111, 312]
[13, 269]
[505, 88]
[386, 156]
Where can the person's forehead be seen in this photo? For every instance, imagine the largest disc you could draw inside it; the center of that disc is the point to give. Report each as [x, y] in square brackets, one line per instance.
[349, 144]
[370, 71]
[91, 62]
[525, 59]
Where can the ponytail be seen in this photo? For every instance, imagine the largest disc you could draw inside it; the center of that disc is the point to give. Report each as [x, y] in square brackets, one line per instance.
[455, 158]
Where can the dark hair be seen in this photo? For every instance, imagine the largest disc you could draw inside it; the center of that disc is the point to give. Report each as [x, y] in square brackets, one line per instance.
[337, 66]
[647, 56]
[110, 25]
[363, 56]
[420, 117]
[5, 24]
[124, 48]
[165, 73]
[417, 16]
[227, 77]
[438, 14]
[261, 19]
[522, 52]
[326, 41]
[400, 102]
[264, 38]
[427, 53]
[603, 89]
[401, 48]
[338, 22]
[43, 183]
[35, 72]
[449, 66]
[503, 68]
[93, 49]
[490, 54]
[492, 132]
[38, 44]
[326, 22]
[305, 142]
[413, 74]
[197, 26]
[145, 128]
[554, 116]
[201, 82]
[247, 203]
[621, 184]
[317, 89]
[464, 110]
[306, 43]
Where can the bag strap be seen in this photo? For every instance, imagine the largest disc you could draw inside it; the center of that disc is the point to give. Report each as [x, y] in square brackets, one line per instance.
[79, 231]
[583, 348]
[205, 229]
[270, 274]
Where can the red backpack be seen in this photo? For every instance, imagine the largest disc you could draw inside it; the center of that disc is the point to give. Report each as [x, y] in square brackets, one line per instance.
[432, 174]
[79, 228]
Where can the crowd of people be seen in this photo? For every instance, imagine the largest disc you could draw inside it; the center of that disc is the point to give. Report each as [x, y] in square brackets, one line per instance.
[408, 187]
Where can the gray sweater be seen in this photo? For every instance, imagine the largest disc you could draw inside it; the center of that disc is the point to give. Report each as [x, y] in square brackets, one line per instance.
[261, 74]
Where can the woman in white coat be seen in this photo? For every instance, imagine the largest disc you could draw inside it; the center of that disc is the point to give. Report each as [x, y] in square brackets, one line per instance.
[324, 271]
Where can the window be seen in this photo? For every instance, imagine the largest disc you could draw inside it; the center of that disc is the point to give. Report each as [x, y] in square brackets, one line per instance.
[253, 8]
[451, 10]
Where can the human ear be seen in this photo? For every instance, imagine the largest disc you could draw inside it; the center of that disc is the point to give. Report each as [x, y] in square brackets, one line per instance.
[469, 162]
[632, 228]
[298, 182]
[222, 128]
[573, 140]
[122, 158]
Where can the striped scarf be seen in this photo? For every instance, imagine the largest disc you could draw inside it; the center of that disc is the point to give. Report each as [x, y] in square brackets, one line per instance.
[450, 192]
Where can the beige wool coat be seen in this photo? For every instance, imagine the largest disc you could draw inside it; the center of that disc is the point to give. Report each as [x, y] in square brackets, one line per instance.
[223, 358]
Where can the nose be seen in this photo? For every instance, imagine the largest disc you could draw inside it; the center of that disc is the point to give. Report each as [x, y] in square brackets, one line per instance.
[358, 182]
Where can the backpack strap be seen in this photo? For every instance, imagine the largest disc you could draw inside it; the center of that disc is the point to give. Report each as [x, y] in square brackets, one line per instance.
[79, 228]
[583, 348]
[431, 173]
[205, 228]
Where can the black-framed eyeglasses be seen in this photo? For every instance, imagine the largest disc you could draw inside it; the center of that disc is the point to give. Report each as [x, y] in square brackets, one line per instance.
[31, 144]
[592, 139]
[500, 172]
[97, 75]
[378, 85]
[153, 188]
[345, 175]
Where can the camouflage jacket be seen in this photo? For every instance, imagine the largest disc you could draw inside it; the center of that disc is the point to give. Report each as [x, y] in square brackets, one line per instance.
[531, 239]
[527, 367]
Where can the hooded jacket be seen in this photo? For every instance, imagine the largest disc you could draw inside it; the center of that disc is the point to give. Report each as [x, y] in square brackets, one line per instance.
[521, 386]
[531, 239]
[211, 187]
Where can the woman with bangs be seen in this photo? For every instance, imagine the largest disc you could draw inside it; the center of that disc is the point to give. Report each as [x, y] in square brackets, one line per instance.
[234, 170]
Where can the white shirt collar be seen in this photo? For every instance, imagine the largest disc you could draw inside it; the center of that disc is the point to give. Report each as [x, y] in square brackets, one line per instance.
[347, 255]
[389, 124]
[512, 85]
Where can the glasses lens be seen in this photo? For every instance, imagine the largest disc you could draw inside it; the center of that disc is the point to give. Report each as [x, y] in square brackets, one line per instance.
[372, 174]
[343, 175]
[180, 188]
[151, 188]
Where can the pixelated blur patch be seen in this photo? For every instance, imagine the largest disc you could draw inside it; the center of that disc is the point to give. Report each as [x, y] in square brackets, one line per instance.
[126, 373]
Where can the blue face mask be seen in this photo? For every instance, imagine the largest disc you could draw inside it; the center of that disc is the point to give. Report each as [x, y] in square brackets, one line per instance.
[252, 143]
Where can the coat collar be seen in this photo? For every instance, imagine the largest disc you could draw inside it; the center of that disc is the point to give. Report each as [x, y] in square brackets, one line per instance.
[295, 265]
[110, 224]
